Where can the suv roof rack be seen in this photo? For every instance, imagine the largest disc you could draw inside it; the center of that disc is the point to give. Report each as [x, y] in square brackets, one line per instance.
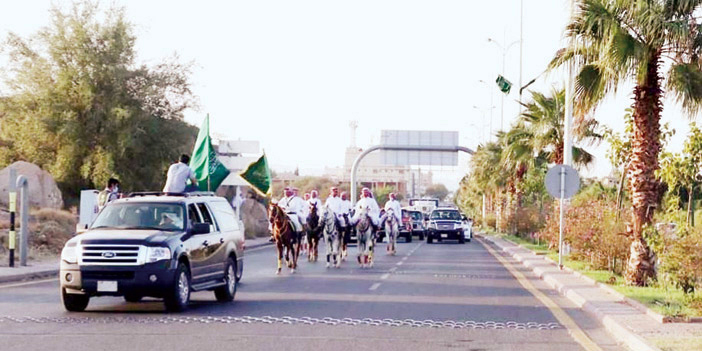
[159, 193]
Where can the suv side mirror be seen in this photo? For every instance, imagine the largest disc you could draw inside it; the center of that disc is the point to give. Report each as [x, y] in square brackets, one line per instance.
[81, 228]
[201, 228]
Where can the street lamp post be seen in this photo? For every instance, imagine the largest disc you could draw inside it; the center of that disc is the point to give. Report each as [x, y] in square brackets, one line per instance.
[504, 56]
[491, 105]
[482, 125]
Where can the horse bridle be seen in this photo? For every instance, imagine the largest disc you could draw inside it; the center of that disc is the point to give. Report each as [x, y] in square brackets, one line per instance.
[277, 218]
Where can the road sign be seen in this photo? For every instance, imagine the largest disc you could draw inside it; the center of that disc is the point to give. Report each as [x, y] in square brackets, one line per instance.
[553, 181]
[417, 140]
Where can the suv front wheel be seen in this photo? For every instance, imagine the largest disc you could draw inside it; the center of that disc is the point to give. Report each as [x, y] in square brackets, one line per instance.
[226, 293]
[74, 302]
[178, 297]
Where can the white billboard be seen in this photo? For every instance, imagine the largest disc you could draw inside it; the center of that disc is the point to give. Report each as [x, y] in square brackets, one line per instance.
[418, 138]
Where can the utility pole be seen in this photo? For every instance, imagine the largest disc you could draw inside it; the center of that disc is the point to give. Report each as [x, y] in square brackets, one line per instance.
[568, 139]
[504, 56]
[521, 50]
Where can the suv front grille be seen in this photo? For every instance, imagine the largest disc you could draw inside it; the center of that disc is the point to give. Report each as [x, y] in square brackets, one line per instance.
[118, 255]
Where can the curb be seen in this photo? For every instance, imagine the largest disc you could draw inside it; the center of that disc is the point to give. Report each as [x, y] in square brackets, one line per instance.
[616, 329]
[47, 273]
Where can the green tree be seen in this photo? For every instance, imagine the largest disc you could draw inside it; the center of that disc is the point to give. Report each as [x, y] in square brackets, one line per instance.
[438, 191]
[615, 41]
[80, 106]
[682, 171]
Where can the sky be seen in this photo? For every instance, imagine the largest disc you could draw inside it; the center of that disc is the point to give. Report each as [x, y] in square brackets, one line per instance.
[293, 74]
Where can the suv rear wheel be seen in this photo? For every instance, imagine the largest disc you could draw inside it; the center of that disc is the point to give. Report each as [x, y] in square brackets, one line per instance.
[226, 293]
[178, 298]
[74, 302]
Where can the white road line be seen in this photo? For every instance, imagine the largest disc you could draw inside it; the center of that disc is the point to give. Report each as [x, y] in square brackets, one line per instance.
[400, 263]
[374, 286]
[393, 269]
[385, 276]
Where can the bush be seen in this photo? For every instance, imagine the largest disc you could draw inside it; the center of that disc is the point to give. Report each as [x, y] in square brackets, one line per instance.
[527, 221]
[593, 233]
[680, 260]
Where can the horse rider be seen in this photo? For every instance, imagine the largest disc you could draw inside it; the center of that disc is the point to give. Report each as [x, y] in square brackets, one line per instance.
[314, 200]
[394, 205]
[346, 223]
[293, 206]
[367, 201]
[306, 209]
[333, 201]
[345, 207]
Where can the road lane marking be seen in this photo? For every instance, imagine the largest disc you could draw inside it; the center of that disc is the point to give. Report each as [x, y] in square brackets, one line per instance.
[27, 283]
[385, 276]
[399, 263]
[374, 286]
[393, 269]
[573, 329]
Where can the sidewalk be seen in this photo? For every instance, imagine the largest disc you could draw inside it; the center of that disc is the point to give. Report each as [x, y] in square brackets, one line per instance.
[49, 268]
[629, 325]
[34, 270]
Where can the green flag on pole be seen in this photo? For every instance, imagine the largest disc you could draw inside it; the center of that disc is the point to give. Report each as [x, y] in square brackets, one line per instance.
[504, 85]
[259, 176]
[208, 170]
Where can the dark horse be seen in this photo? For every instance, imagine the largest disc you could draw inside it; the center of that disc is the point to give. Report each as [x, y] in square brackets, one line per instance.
[285, 237]
[314, 231]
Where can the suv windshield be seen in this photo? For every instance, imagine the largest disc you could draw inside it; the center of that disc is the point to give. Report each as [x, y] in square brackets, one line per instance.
[417, 216]
[141, 216]
[447, 215]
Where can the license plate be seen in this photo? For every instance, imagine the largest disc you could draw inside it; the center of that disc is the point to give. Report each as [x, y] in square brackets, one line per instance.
[444, 235]
[107, 286]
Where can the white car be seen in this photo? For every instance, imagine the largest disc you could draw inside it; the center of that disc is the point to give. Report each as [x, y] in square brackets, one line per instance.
[467, 228]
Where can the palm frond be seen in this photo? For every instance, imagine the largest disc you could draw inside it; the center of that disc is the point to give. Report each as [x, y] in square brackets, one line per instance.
[685, 82]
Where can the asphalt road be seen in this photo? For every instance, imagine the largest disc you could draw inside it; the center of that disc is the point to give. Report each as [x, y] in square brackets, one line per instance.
[438, 296]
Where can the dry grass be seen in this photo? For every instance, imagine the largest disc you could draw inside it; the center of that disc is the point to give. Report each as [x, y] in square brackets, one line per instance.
[49, 230]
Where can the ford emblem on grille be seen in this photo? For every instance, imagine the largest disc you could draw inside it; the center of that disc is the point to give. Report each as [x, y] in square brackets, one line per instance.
[108, 254]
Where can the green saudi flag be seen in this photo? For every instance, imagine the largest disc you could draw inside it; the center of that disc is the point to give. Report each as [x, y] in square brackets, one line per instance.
[504, 85]
[259, 176]
[208, 170]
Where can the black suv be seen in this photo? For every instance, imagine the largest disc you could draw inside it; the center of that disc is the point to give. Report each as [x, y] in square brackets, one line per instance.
[445, 223]
[158, 245]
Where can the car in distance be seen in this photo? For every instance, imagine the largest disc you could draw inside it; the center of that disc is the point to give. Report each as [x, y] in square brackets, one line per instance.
[163, 245]
[445, 224]
[417, 223]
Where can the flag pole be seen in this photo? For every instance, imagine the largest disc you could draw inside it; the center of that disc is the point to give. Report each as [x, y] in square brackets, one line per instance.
[209, 143]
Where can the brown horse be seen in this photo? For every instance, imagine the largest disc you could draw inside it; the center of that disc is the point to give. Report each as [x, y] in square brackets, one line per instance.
[314, 231]
[285, 237]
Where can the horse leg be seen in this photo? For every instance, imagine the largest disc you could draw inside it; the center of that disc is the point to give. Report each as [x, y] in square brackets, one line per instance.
[279, 246]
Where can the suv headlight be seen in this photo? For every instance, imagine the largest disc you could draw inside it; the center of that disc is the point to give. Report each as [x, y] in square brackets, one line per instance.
[157, 253]
[69, 254]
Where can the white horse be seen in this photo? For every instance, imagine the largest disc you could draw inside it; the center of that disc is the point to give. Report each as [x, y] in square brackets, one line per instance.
[331, 237]
[364, 232]
[392, 229]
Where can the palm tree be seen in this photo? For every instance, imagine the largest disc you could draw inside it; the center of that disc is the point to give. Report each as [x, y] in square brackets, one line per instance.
[536, 139]
[542, 122]
[488, 174]
[617, 40]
